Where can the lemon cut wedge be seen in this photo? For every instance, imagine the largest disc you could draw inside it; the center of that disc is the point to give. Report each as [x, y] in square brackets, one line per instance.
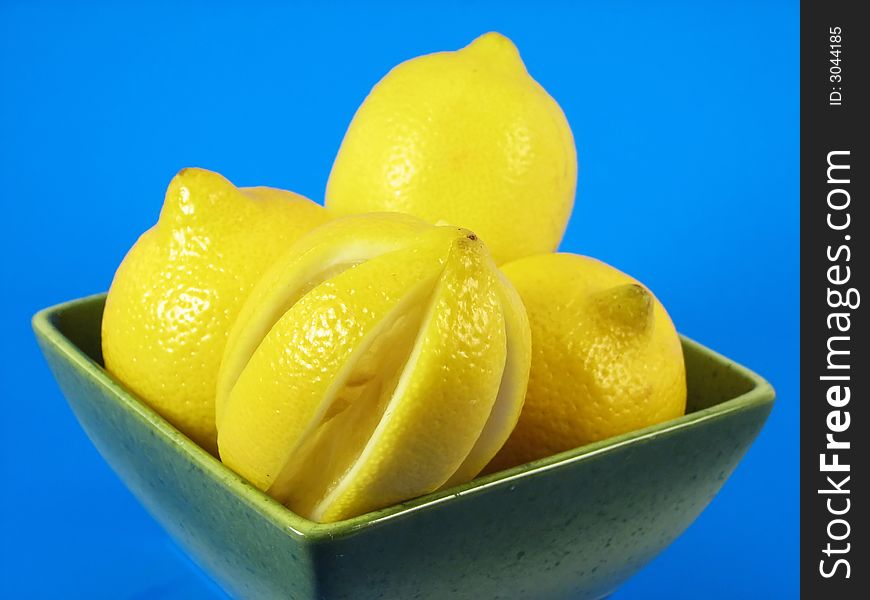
[381, 359]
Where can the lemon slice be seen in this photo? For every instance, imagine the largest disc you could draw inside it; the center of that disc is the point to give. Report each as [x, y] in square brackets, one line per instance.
[315, 258]
[369, 370]
[511, 391]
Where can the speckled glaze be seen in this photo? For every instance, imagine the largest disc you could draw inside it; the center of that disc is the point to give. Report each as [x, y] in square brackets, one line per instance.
[573, 525]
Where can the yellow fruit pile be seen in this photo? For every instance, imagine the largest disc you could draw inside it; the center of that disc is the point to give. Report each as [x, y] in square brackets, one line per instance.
[346, 358]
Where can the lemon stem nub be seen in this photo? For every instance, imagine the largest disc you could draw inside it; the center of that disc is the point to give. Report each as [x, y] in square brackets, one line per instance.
[497, 50]
[629, 306]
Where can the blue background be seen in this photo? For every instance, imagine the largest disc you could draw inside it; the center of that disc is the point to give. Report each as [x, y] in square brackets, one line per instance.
[686, 121]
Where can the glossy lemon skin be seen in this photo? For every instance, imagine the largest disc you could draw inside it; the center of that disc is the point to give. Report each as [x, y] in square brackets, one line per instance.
[466, 138]
[178, 290]
[316, 256]
[349, 389]
[447, 393]
[304, 357]
[606, 358]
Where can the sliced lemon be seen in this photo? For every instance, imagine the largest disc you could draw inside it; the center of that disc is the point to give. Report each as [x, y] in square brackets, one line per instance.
[361, 378]
[318, 256]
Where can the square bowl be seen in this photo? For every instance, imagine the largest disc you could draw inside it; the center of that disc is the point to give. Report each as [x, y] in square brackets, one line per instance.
[576, 524]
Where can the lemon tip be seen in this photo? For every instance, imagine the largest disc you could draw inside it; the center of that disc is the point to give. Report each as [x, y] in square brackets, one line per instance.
[629, 305]
[497, 47]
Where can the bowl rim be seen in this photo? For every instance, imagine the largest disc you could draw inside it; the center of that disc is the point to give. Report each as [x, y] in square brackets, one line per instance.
[760, 393]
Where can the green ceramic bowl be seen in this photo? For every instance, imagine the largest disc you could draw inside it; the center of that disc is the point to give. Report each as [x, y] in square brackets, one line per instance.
[573, 525]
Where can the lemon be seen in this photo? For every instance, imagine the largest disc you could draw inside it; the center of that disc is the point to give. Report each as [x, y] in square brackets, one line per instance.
[178, 290]
[466, 138]
[606, 358]
[382, 358]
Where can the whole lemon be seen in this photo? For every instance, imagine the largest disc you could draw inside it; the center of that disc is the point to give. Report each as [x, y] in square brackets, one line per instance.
[606, 358]
[177, 292]
[467, 138]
